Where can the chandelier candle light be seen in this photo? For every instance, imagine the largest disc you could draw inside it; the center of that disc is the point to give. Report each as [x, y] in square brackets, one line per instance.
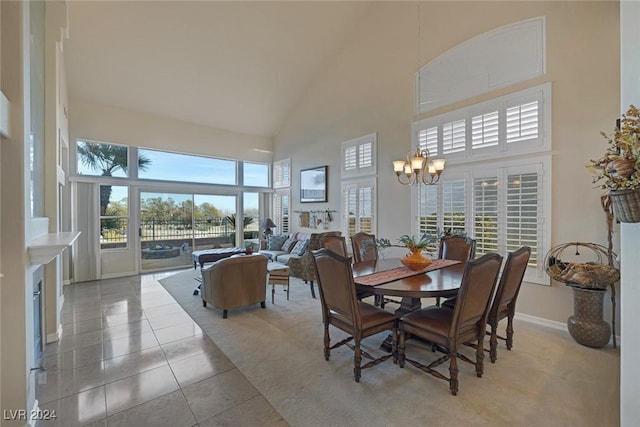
[418, 168]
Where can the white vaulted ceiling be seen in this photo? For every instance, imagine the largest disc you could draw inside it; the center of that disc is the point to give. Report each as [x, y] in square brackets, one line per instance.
[238, 66]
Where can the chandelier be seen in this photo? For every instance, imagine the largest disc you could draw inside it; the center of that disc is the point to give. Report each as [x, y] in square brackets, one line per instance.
[419, 168]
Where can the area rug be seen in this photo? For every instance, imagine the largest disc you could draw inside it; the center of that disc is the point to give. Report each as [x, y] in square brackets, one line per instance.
[546, 380]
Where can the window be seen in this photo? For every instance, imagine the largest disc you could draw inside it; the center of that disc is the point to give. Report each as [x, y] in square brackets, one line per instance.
[358, 156]
[255, 174]
[502, 204]
[99, 159]
[281, 210]
[506, 126]
[167, 166]
[359, 207]
[282, 173]
[504, 210]
[114, 216]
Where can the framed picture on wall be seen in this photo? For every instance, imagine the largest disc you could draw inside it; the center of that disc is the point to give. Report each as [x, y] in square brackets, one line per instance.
[313, 185]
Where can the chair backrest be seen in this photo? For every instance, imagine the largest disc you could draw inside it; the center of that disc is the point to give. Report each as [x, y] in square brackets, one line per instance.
[509, 286]
[336, 244]
[472, 304]
[457, 248]
[364, 247]
[337, 289]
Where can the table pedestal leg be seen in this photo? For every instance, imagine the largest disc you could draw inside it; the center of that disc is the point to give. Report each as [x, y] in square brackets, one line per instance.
[408, 305]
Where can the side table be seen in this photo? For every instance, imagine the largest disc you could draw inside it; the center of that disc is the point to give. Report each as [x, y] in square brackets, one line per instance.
[278, 275]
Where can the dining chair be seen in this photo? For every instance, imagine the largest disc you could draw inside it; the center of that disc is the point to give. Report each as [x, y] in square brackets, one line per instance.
[336, 244]
[457, 248]
[364, 247]
[450, 329]
[343, 310]
[504, 300]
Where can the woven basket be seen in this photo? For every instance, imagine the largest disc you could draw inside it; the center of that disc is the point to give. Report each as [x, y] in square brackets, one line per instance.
[626, 205]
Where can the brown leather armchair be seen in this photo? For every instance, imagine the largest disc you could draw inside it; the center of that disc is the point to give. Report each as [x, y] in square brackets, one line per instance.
[235, 282]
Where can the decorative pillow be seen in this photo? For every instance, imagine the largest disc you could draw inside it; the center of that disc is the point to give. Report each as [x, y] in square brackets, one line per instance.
[300, 248]
[275, 241]
[289, 244]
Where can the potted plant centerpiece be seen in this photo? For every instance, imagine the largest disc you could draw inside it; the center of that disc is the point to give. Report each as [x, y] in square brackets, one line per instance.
[415, 260]
[619, 169]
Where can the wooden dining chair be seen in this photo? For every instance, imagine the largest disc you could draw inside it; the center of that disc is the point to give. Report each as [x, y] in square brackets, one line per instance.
[364, 247]
[504, 300]
[457, 248]
[450, 329]
[343, 310]
[336, 244]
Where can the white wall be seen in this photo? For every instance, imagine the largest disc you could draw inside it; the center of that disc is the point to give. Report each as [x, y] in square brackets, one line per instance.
[630, 233]
[367, 87]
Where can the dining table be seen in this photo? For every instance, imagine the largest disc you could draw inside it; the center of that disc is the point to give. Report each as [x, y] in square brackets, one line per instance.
[441, 279]
[388, 277]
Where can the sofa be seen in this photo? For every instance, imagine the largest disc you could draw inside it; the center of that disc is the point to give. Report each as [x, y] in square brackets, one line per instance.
[300, 261]
[235, 282]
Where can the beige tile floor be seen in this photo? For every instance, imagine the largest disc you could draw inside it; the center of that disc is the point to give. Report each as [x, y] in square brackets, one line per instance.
[130, 356]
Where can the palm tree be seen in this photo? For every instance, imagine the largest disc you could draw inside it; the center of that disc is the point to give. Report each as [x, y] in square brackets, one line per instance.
[106, 159]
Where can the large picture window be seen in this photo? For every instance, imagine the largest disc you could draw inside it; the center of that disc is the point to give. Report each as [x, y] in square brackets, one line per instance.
[102, 159]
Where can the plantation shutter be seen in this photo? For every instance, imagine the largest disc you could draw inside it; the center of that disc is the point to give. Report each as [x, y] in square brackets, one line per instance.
[453, 136]
[454, 206]
[522, 122]
[485, 214]
[484, 130]
[523, 214]
[281, 211]
[282, 173]
[359, 206]
[428, 209]
[428, 138]
[358, 156]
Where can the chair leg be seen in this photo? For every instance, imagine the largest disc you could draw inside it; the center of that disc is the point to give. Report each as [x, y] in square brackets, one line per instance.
[273, 293]
[313, 292]
[263, 304]
[493, 344]
[357, 360]
[224, 314]
[453, 372]
[401, 339]
[204, 303]
[394, 346]
[480, 356]
[509, 332]
[327, 342]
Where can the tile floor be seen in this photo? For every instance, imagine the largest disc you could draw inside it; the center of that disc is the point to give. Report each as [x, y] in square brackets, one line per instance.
[130, 356]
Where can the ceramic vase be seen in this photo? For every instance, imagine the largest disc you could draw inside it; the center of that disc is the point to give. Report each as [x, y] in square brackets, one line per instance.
[587, 325]
[415, 260]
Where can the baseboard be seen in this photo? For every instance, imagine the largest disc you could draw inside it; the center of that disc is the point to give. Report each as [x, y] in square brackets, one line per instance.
[541, 321]
[561, 326]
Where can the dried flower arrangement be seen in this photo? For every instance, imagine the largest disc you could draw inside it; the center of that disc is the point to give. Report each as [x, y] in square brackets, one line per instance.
[619, 168]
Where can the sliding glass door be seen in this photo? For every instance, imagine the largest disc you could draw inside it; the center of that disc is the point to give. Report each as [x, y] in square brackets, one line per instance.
[172, 225]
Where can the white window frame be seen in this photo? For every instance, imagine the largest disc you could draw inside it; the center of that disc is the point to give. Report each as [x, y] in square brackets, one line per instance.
[357, 185]
[282, 173]
[362, 165]
[540, 93]
[541, 165]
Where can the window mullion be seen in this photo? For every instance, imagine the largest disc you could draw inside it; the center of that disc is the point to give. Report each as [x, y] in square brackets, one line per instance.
[502, 210]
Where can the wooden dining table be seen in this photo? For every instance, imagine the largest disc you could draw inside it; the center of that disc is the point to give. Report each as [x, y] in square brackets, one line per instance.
[443, 282]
